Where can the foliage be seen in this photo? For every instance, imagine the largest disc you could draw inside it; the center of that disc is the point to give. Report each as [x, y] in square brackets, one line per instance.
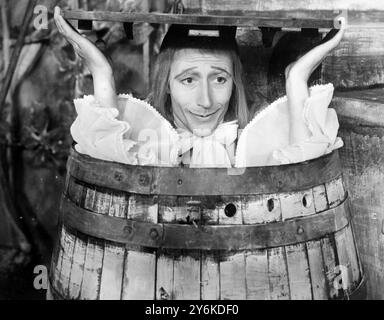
[47, 135]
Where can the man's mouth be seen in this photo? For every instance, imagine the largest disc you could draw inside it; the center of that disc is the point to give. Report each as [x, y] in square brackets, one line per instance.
[203, 116]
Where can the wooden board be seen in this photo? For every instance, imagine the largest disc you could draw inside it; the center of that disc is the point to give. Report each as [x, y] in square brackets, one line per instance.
[261, 209]
[90, 287]
[363, 171]
[359, 111]
[316, 266]
[232, 277]
[256, 263]
[330, 264]
[164, 278]
[298, 270]
[67, 259]
[112, 272]
[210, 278]
[79, 253]
[186, 278]
[358, 61]
[139, 276]
[259, 19]
[297, 204]
[278, 274]
[244, 6]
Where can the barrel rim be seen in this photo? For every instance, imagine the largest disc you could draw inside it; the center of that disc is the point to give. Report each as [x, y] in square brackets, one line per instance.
[183, 181]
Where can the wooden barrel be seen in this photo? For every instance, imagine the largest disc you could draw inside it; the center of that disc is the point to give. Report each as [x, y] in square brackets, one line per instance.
[361, 116]
[135, 232]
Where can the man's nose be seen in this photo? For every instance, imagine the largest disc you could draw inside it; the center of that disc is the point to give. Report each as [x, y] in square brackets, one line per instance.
[204, 98]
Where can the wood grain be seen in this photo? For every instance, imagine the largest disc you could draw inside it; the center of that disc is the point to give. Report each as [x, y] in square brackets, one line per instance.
[139, 276]
[164, 277]
[90, 287]
[112, 272]
[358, 62]
[298, 269]
[278, 274]
[327, 247]
[291, 20]
[77, 271]
[320, 198]
[316, 266]
[257, 275]
[335, 192]
[287, 5]
[261, 209]
[67, 259]
[297, 204]
[186, 278]
[210, 277]
[232, 277]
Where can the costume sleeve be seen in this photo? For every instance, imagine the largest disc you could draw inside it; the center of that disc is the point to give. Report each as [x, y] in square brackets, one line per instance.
[322, 124]
[99, 134]
[265, 140]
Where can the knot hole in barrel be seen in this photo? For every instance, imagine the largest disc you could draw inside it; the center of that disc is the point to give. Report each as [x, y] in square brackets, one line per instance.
[230, 210]
[307, 202]
[118, 176]
[143, 180]
[270, 204]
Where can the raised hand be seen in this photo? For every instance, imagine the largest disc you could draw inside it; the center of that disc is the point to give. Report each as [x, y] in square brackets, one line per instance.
[103, 81]
[297, 75]
[92, 56]
[306, 64]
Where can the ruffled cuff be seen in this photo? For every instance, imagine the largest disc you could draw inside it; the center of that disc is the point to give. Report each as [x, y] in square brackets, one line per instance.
[99, 134]
[322, 124]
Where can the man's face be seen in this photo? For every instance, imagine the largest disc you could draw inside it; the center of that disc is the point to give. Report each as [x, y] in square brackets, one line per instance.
[200, 85]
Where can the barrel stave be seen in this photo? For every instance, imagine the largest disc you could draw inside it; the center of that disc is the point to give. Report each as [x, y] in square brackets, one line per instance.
[330, 266]
[111, 274]
[210, 277]
[300, 287]
[90, 287]
[278, 274]
[139, 276]
[77, 270]
[233, 276]
[261, 209]
[317, 270]
[256, 268]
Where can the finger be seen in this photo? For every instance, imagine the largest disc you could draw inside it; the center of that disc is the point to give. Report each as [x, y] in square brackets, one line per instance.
[66, 28]
[342, 23]
[57, 22]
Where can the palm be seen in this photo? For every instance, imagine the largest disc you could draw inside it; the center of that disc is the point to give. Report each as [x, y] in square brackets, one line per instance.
[93, 57]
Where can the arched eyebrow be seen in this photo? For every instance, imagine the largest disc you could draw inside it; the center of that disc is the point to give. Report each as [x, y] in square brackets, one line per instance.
[222, 70]
[184, 71]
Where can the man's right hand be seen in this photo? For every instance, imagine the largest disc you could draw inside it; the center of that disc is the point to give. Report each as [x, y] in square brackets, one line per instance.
[92, 56]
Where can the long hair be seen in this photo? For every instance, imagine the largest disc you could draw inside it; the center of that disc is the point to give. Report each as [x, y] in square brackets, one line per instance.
[160, 98]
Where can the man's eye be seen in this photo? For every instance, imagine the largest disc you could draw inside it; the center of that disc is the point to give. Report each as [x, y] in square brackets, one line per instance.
[221, 80]
[188, 80]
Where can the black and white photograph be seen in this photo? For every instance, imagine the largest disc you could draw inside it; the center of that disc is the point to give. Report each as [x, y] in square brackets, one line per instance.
[217, 150]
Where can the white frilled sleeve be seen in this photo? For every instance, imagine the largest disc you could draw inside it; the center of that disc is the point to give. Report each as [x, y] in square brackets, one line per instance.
[265, 140]
[132, 134]
[99, 134]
